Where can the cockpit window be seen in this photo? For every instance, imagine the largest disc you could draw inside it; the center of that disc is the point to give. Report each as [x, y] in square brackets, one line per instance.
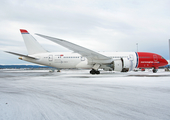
[163, 58]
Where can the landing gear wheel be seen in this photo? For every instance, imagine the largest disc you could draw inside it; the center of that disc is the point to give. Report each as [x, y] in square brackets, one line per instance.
[155, 70]
[94, 72]
[97, 72]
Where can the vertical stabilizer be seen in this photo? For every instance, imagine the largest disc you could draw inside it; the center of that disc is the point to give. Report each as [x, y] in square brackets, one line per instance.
[33, 47]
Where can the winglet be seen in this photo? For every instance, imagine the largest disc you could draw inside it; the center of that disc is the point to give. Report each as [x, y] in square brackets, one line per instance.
[24, 31]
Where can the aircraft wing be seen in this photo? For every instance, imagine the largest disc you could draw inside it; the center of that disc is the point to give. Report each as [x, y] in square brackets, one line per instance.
[89, 54]
[21, 55]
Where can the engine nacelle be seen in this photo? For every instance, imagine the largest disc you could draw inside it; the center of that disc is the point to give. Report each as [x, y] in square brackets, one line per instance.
[127, 64]
[117, 65]
[121, 65]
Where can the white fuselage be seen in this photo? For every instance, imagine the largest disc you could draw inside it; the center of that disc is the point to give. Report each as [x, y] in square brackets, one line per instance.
[74, 60]
[85, 58]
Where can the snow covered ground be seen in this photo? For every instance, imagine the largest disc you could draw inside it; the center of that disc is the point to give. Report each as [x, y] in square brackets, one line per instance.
[77, 95]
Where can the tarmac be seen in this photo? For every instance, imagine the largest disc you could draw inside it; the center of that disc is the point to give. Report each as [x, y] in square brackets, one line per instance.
[78, 95]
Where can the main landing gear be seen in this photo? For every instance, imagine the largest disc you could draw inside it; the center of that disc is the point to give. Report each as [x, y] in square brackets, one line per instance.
[93, 71]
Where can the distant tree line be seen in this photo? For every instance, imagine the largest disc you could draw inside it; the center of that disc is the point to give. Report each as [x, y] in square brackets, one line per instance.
[23, 66]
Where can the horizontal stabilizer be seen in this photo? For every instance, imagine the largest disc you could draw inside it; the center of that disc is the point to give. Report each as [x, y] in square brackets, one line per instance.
[21, 55]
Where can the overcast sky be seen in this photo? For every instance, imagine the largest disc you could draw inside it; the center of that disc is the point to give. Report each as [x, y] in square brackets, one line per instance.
[100, 25]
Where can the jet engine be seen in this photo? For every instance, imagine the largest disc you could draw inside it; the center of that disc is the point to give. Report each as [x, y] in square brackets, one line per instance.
[121, 65]
[117, 65]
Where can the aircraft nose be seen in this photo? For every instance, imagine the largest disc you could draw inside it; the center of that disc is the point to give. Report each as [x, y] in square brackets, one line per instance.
[163, 61]
[166, 62]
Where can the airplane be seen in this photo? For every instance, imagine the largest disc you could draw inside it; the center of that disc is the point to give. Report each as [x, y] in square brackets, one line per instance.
[85, 58]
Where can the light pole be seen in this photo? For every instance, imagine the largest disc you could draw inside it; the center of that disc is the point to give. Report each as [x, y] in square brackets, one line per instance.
[169, 50]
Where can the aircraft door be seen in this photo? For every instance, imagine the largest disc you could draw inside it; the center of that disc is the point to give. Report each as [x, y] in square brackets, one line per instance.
[131, 59]
[82, 58]
[155, 57]
[50, 58]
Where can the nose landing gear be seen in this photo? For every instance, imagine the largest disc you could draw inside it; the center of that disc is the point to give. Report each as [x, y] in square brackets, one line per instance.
[155, 70]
